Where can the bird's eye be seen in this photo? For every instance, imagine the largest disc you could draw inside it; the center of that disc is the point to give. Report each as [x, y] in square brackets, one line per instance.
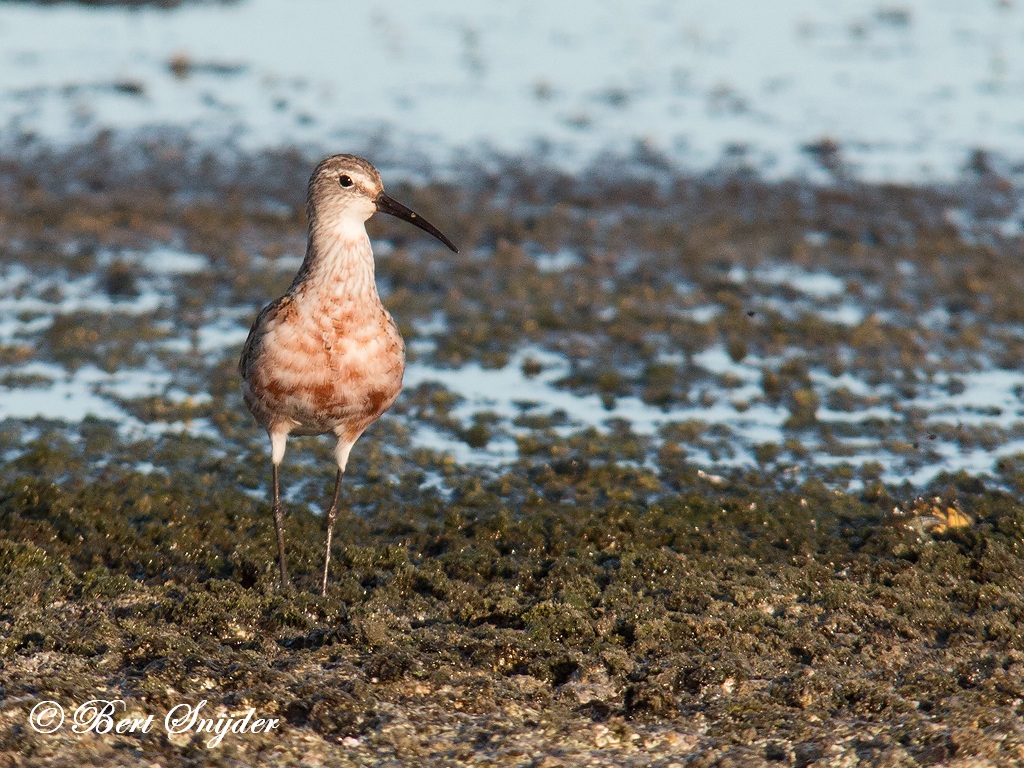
[345, 180]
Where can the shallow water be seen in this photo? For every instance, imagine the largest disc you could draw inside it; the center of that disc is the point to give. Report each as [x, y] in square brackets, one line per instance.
[815, 365]
[898, 91]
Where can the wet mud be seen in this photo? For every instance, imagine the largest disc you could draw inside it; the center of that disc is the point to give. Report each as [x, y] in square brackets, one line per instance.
[824, 569]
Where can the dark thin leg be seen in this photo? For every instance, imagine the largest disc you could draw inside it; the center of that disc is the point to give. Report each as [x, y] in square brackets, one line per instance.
[279, 524]
[331, 514]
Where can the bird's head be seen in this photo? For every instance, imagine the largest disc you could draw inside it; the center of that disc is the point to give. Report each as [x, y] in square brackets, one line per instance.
[347, 189]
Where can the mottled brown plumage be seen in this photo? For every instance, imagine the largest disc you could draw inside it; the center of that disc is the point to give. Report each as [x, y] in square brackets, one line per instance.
[327, 357]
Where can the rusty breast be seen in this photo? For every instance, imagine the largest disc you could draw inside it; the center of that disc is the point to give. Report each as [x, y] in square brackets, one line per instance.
[311, 367]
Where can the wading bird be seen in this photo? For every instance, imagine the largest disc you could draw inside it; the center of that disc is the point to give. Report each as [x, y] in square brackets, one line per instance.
[327, 357]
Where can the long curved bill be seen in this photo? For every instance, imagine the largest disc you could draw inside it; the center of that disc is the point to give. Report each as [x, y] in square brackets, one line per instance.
[386, 204]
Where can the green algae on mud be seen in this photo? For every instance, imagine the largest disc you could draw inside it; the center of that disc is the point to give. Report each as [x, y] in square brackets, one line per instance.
[526, 614]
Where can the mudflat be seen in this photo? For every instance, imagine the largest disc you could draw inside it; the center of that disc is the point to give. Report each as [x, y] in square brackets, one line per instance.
[688, 469]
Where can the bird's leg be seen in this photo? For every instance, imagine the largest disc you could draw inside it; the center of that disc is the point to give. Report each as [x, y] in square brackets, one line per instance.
[341, 452]
[279, 525]
[332, 513]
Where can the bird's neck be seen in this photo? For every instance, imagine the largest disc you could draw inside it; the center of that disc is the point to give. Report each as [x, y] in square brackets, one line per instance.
[338, 263]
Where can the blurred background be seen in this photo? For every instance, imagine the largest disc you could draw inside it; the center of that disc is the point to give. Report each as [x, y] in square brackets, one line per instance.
[907, 89]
